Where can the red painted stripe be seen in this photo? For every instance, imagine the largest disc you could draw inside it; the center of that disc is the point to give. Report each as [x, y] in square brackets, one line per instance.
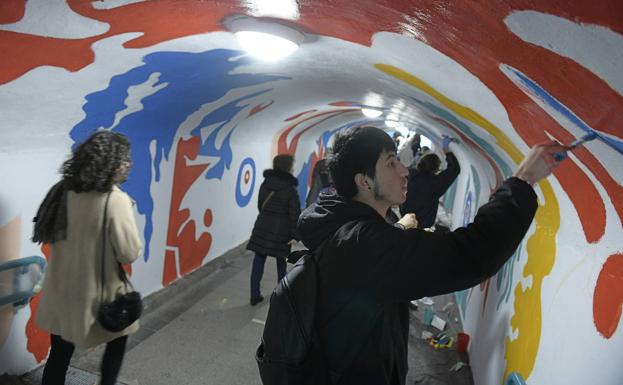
[608, 296]
[12, 11]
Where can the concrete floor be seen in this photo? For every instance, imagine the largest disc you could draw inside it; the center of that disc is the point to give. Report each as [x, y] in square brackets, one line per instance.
[202, 330]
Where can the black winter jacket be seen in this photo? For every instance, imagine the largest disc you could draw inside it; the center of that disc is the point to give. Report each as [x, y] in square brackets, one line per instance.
[369, 269]
[275, 225]
[424, 191]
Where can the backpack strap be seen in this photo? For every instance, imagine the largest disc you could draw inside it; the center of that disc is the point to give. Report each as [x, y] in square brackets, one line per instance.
[270, 195]
[358, 326]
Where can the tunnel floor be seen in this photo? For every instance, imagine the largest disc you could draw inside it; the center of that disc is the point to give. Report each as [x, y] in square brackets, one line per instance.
[202, 330]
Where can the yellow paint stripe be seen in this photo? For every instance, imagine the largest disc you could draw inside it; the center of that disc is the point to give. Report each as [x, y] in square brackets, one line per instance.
[541, 246]
[464, 112]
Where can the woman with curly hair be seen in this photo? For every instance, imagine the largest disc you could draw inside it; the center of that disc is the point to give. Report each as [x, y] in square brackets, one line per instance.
[71, 220]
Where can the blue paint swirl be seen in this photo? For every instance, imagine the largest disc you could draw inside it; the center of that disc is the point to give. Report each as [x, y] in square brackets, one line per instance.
[189, 81]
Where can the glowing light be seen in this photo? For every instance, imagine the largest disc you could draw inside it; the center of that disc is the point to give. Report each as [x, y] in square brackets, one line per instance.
[371, 112]
[265, 46]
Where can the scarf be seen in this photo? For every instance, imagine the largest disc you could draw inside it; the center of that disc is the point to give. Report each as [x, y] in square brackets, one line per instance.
[50, 223]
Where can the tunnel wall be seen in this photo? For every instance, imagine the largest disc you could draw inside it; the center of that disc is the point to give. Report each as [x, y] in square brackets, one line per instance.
[205, 120]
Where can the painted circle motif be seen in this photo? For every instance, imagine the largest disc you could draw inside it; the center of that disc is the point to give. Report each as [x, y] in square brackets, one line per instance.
[245, 182]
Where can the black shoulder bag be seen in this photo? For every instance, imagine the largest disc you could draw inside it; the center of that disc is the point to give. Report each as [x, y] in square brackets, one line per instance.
[126, 308]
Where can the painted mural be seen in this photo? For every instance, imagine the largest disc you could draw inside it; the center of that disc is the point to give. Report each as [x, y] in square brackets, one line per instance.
[205, 119]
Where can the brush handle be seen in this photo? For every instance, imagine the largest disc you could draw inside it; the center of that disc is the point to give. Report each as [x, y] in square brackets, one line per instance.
[560, 156]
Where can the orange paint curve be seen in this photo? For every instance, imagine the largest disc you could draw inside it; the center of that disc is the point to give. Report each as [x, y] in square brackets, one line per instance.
[608, 296]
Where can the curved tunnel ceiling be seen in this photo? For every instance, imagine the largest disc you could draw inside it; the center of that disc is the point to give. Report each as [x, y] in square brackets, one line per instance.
[500, 76]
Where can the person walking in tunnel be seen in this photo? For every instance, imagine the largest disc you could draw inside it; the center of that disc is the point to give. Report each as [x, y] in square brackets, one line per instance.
[426, 184]
[369, 269]
[275, 227]
[71, 221]
[321, 182]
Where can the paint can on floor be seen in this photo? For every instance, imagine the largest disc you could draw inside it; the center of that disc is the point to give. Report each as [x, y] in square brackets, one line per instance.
[462, 342]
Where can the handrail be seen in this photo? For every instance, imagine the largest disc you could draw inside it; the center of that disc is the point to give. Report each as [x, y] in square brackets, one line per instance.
[25, 282]
[23, 261]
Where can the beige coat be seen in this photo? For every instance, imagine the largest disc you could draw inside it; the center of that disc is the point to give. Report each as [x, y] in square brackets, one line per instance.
[71, 290]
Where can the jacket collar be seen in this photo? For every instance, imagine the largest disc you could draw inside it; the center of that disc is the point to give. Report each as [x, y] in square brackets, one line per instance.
[281, 175]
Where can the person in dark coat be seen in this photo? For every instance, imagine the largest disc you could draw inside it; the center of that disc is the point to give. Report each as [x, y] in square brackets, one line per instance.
[427, 185]
[275, 226]
[320, 182]
[369, 269]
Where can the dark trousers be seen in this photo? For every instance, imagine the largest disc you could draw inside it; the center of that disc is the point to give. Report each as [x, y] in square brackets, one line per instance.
[257, 271]
[61, 352]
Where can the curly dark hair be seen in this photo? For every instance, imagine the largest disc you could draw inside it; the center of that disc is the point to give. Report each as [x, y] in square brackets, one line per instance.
[94, 165]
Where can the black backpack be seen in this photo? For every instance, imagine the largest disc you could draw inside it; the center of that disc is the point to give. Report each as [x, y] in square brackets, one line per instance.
[290, 351]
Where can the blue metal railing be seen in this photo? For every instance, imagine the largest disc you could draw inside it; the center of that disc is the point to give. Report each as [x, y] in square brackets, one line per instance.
[20, 279]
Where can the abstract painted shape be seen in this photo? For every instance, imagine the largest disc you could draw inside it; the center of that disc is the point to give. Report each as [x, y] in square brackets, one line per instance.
[183, 248]
[583, 193]
[302, 126]
[245, 182]
[296, 116]
[260, 108]
[608, 296]
[10, 245]
[12, 11]
[285, 147]
[526, 321]
[187, 90]
[155, 22]
[38, 340]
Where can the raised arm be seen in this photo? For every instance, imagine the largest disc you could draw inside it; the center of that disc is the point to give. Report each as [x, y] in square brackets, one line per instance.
[427, 264]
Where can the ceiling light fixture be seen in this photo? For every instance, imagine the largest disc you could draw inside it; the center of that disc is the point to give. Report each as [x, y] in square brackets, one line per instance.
[371, 112]
[265, 46]
[266, 40]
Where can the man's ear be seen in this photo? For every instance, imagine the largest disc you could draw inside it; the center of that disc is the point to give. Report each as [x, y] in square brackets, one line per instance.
[362, 182]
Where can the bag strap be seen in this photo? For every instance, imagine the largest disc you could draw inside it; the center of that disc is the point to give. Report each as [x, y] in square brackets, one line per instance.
[102, 270]
[270, 194]
[366, 327]
[332, 377]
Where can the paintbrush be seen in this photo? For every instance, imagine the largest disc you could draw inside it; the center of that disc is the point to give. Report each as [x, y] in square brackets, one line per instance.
[560, 156]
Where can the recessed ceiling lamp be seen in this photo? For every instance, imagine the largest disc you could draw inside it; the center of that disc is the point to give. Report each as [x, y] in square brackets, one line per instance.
[371, 112]
[263, 39]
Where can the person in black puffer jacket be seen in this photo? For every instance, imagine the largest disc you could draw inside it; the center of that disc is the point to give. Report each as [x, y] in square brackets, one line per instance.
[274, 230]
[427, 185]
